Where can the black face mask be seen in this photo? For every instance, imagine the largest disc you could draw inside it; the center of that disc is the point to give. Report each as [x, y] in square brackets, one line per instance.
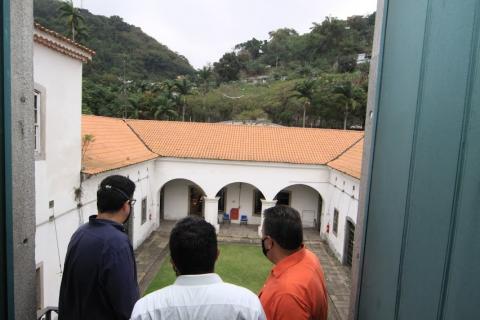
[264, 250]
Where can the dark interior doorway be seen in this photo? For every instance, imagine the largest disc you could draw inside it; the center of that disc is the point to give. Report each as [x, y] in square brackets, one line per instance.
[162, 204]
[195, 196]
[318, 221]
[349, 237]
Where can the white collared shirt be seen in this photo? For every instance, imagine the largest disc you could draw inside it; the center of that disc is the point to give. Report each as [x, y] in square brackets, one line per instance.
[203, 296]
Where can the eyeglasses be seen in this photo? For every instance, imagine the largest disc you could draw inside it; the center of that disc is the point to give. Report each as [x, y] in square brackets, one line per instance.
[132, 202]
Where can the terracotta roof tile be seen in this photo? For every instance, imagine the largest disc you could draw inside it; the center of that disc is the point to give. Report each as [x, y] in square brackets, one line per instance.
[350, 162]
[61, 37]
[243, 142]
[115, 145]
[61, 44]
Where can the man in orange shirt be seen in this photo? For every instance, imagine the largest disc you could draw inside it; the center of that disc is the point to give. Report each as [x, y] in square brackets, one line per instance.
[295, 288]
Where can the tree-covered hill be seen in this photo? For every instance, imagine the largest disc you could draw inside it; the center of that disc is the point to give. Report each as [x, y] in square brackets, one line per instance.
[330, 46]
[313, 79]
[118, 45]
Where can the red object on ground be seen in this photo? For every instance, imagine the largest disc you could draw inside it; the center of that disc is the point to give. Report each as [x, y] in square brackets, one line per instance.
[234, 213]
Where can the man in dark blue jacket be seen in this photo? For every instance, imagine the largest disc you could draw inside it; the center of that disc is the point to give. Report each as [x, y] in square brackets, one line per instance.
[100, 277]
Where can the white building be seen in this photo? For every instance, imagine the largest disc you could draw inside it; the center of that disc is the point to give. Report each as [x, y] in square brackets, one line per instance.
[58, 95]
[180, 168]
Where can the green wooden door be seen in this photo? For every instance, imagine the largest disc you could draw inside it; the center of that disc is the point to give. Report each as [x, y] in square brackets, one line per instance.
[421, 257]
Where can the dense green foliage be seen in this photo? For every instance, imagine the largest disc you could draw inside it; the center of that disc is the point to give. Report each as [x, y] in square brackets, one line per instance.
[331, 46]
[290, 79]
[243, 265]
[326, 102]
[119, 46]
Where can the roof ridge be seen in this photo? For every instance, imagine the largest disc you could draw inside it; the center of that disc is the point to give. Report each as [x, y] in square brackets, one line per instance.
[104, 117]
[345, 151]
[280, 127]
[139, 138]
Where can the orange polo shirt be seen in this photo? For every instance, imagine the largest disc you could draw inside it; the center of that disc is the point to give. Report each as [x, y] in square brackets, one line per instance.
[295, 289]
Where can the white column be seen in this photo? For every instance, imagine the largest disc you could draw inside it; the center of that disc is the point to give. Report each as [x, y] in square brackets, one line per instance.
[266, 204]
[211, 211]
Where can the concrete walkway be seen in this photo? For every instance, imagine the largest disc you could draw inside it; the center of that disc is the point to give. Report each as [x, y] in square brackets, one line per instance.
[337, 276]
[152, 252]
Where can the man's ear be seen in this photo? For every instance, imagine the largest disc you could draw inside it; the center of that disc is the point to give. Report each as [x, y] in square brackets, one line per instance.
[126, 206]
[269, 243]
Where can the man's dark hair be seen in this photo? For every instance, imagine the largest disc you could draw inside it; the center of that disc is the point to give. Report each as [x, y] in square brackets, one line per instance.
[283, 224]
[113, 192]
[193, 246]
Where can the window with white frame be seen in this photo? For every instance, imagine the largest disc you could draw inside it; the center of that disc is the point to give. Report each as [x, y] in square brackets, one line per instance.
[37, 121]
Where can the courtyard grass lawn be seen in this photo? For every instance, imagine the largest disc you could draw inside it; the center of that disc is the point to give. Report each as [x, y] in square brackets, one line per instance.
[243, 265]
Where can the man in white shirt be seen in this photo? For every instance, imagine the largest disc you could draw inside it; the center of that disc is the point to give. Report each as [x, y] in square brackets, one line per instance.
[198, 292]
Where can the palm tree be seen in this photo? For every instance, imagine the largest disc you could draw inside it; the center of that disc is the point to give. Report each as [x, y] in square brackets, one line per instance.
[304, 90]
[73, 17]
[183, 88]
[346, 92]
[205, 74]
[134, 105]
[163, 107]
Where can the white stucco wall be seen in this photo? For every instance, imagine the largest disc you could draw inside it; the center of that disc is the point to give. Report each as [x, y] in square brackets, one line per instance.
[59, 80]
[269, 178]
[344, 198]
[212, 175]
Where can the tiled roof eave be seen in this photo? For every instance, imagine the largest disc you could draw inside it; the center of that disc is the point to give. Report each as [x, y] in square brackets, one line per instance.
[160, 156]
[344, 171]
[63, 38]
[103, 170]
[61, 49]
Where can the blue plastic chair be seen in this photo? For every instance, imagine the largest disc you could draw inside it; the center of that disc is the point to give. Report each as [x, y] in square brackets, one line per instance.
[243, 219]
[226, 217]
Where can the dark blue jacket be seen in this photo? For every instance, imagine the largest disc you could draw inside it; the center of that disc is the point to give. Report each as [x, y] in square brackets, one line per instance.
[99, 276]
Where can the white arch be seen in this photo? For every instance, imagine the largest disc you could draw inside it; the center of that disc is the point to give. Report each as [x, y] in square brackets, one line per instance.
[186, 179]
[300, 184]
[248, 183]
[318, 211]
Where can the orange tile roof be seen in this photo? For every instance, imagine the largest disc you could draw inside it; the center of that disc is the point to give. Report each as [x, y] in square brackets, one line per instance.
[350, 162]
[243, 142]
[115, 145]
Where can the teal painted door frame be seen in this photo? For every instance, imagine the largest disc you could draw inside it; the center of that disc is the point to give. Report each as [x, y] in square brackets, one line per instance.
[421, 250]
[6, 229]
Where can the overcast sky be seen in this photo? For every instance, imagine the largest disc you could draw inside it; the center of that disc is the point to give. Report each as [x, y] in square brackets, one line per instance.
[203, 30]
